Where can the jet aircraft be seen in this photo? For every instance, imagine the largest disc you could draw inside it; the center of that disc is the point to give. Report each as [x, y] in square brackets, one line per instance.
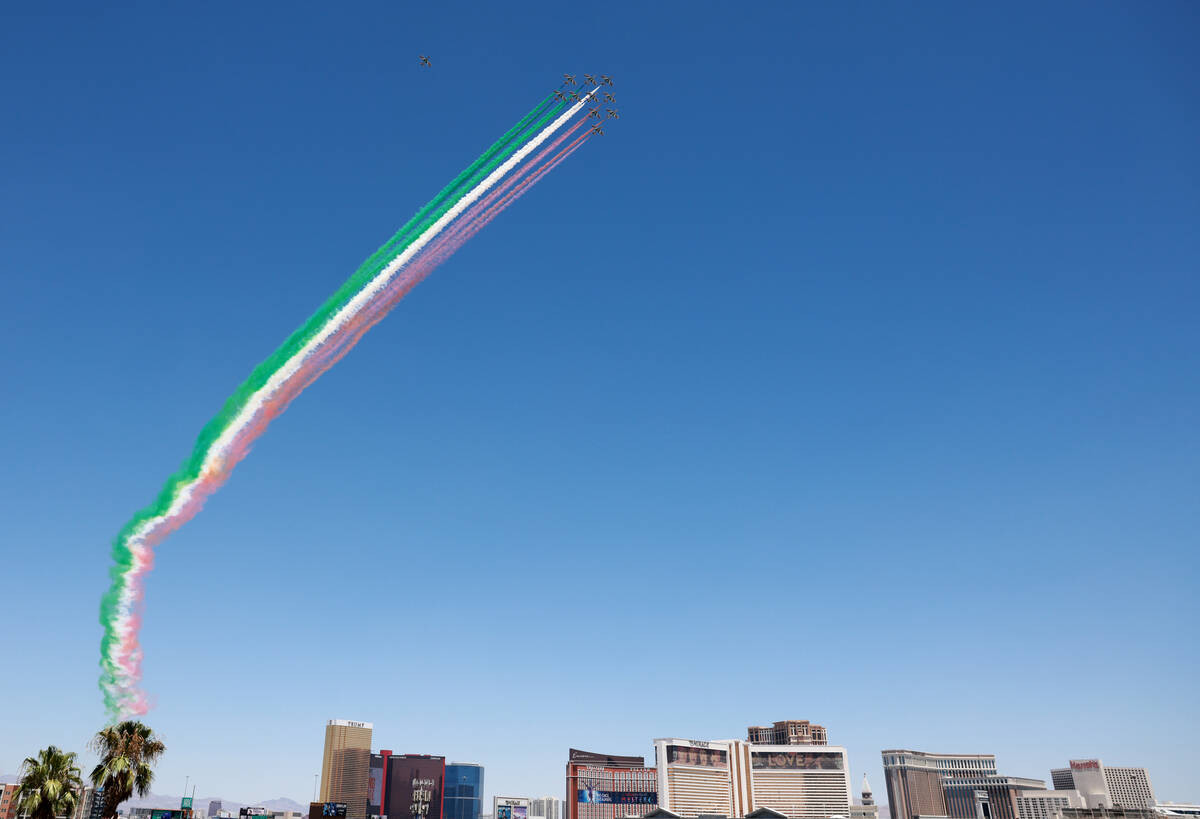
[593, 113]
[605, 79]
[612, 113]
[568, 79]
[560, 96]
[588, 79]
[425, 61]
[596, 129]
[609, 97]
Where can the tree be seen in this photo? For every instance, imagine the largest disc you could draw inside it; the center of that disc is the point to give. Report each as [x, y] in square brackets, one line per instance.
[50, 784]
[128, 751]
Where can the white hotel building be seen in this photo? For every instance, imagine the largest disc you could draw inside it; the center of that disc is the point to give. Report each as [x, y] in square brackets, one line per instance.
[1104, 786]
[733, 778]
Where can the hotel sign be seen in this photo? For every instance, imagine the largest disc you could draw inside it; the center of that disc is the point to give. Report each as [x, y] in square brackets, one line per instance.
[701, 756]
[796, 760]
[1085, 764]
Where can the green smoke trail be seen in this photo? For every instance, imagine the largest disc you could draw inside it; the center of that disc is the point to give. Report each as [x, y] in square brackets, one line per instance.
[122, 557]
[390, 249]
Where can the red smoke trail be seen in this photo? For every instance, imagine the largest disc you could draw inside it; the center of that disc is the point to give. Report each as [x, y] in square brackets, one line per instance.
[438, 251]
[433, 255]
[444, 247]
[477, 224]
[467, 218]
[474, 220]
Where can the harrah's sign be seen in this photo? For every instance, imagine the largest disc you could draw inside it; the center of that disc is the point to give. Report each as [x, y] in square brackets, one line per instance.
[1085, 764]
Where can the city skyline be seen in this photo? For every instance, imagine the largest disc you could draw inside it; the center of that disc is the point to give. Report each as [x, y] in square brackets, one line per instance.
[988, 765]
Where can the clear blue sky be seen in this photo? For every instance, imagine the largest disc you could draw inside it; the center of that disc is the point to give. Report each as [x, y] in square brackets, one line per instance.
[852, 376]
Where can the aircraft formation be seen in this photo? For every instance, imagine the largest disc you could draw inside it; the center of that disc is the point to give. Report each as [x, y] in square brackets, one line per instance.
[568, 92]
[590, 92]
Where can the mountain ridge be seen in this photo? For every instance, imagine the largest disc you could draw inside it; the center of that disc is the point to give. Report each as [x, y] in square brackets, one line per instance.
[163, 800]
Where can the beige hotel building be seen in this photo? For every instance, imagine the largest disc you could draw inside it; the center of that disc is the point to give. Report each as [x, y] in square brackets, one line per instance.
[731, 777]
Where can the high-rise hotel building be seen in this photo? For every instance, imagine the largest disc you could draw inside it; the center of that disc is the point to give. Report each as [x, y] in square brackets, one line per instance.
[960, 786]
[914, 779]
[547, 807]
[462, 792]
[606, 786]
[734, 778]
[345, 764]
[1103, 786]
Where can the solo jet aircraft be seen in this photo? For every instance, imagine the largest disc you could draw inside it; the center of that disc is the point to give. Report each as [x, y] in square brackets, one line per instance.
[425, 61]
[612, 113]
[596, 129]
[605, 79]
[609, 97]
[569, 79]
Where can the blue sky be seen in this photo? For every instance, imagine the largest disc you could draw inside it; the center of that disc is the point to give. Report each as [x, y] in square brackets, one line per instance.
[852, 377]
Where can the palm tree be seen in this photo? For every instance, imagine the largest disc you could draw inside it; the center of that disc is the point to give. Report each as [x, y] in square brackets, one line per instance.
[50, 784]
[128, 751]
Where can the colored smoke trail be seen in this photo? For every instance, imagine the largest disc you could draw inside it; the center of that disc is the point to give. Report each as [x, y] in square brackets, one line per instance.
[471, 222]
[532, 166]
[226, 439]
[437, 252]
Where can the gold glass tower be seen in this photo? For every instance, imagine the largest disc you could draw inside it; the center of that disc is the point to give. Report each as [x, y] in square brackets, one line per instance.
[344, 767]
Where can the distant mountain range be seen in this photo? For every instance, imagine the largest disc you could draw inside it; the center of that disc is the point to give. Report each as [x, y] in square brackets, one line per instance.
[162, 800]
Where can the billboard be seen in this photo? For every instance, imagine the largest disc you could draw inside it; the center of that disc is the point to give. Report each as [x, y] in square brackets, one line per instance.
[334, 809]
[700, 757]
[414, 786]
[510, 807]
[595, 796]
[796, 760]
